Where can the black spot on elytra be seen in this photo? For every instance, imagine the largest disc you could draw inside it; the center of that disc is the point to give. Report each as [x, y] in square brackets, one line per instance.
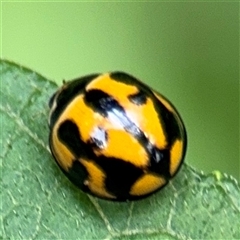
[167, 119]
[120, 175]
[68, 134]
[169, 122]
[101, 102]
[99, 138]
[139, 98]
[68, 92]
[77, 174]
[160, 161]
[129, 80]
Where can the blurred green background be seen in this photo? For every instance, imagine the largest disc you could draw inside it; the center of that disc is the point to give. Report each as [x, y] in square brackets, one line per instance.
[188, 51]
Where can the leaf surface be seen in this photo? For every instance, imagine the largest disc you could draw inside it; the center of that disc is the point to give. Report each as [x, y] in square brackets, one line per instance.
[38, 202]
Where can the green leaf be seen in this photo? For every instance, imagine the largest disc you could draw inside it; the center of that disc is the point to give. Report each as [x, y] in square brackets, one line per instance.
[38, 201]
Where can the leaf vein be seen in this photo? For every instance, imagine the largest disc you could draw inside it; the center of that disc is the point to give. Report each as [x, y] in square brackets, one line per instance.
[23, 127]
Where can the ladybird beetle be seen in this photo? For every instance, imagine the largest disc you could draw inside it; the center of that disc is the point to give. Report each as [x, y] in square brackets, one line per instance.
[114, 137]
